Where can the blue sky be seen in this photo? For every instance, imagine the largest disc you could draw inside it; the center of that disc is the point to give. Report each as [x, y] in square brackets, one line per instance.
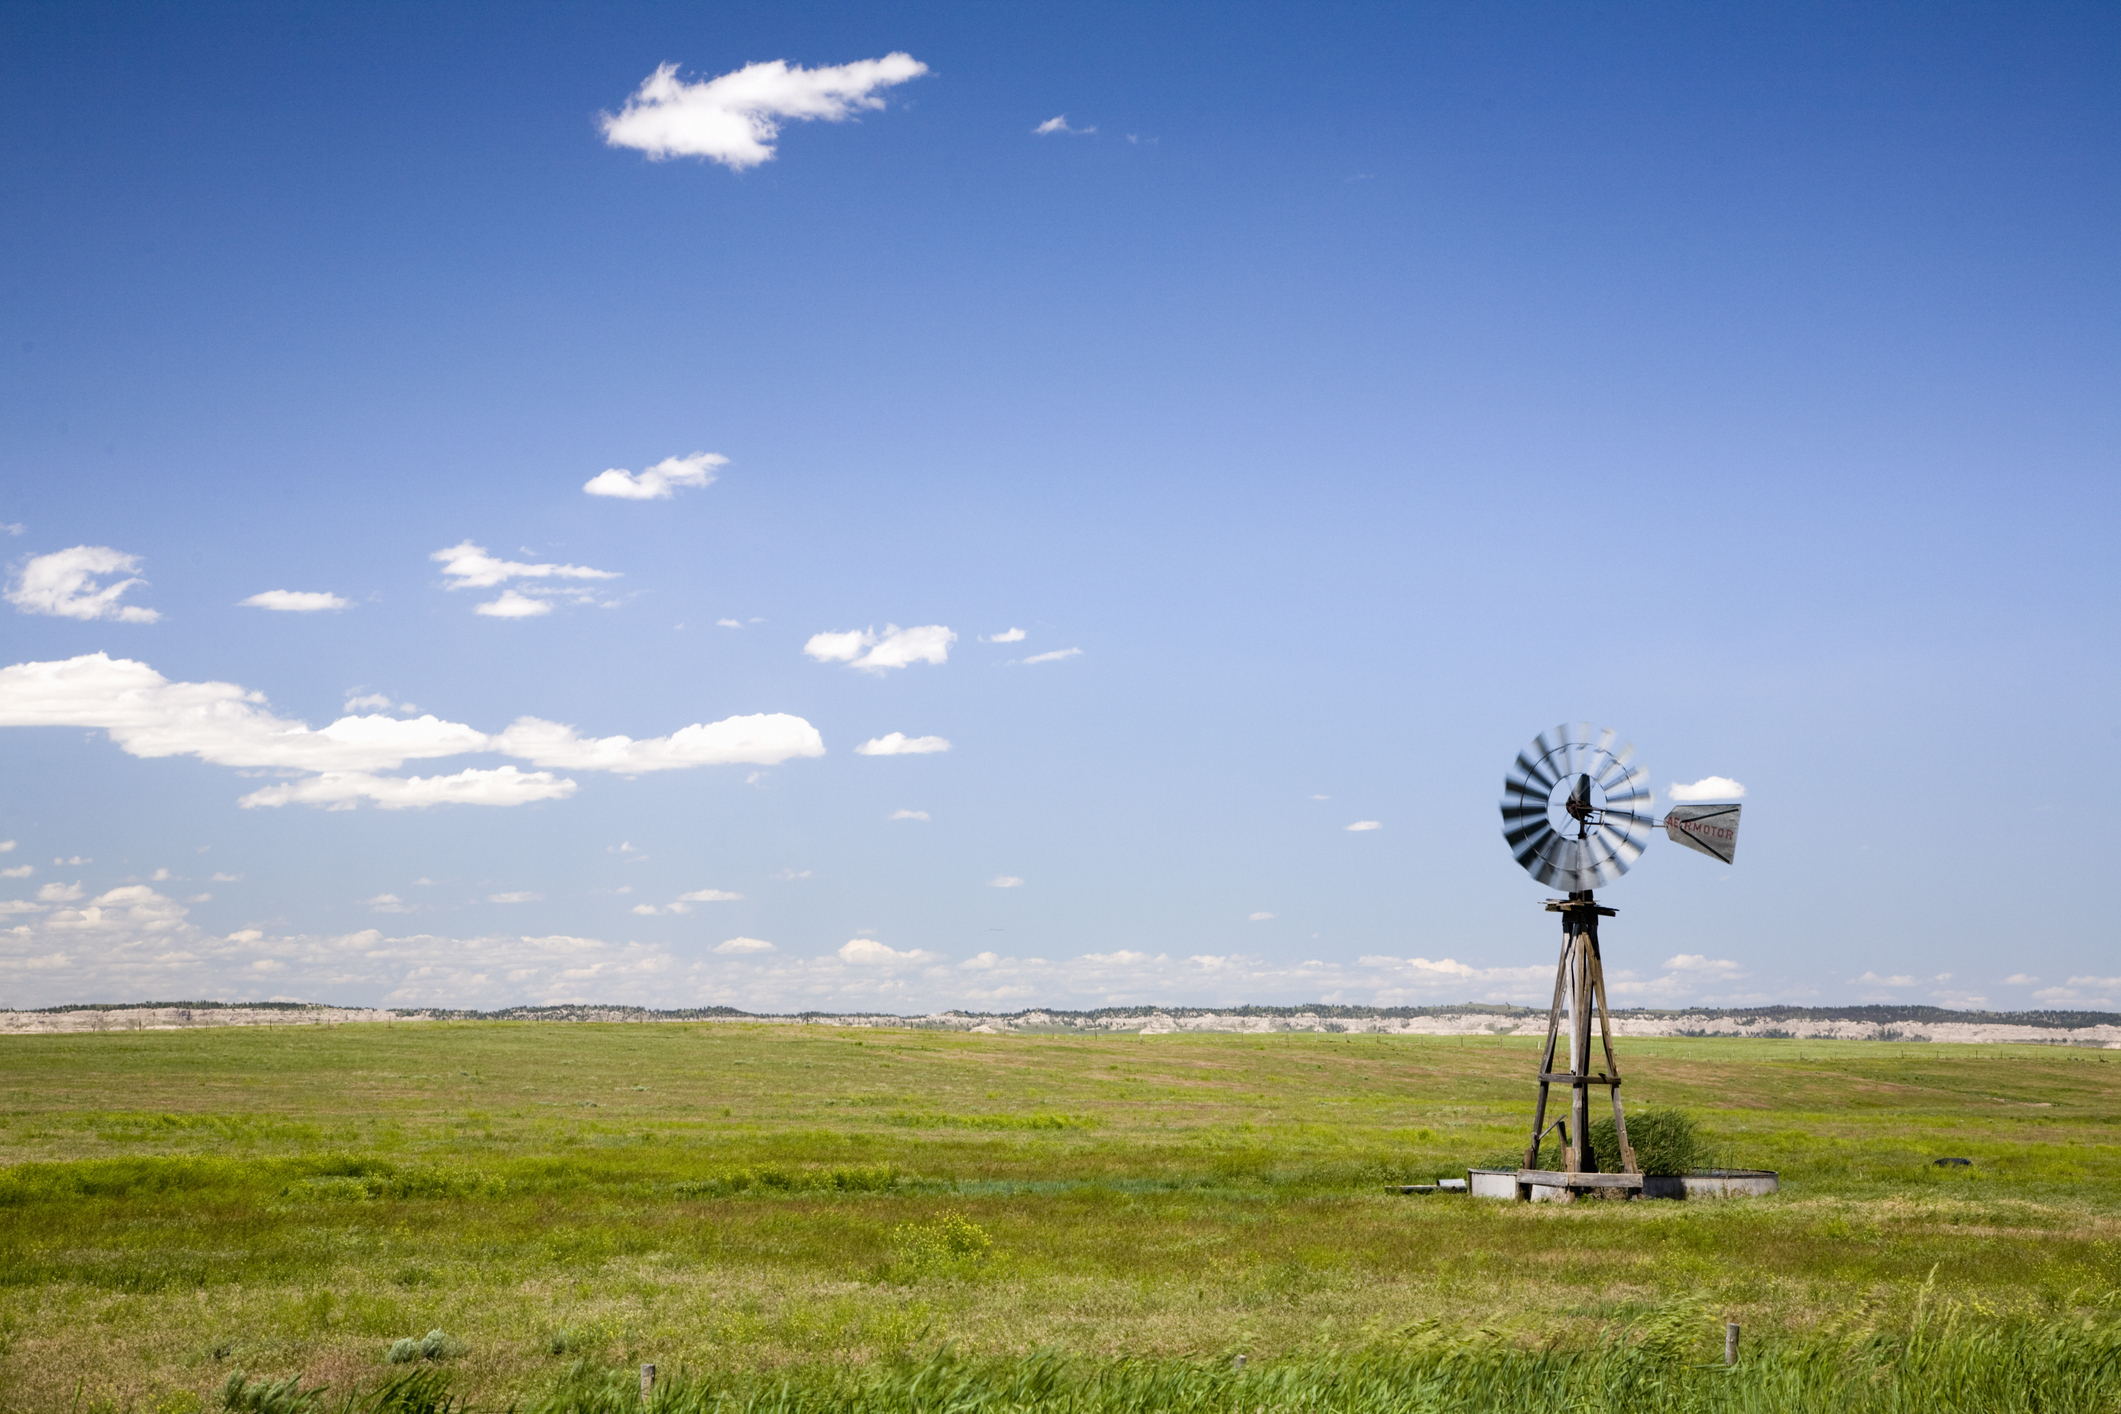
[1373, 388]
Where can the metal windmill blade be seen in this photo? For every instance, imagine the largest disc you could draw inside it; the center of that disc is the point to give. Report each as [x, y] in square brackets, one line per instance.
[1576, 809]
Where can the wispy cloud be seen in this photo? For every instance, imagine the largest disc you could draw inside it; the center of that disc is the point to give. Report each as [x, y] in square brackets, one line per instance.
[1060, 125]
[520, 896]
[907, 815]
[468, 566]
[1005, 881]
[1367, 825]
[758, 739]
[899, 744]
[1257, 917]
[735, 119]
[1700, 964]
[896, 648]
[1055, 656]
[296, 601]
[65, 584]
[1708, 788]
[343, 790]
[685, 902]
[388, 903]
[659, 482]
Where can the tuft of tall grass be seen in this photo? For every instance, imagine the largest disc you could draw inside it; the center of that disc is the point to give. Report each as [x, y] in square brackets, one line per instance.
[421, 1392]
[1665, 1140]
[437, 1344]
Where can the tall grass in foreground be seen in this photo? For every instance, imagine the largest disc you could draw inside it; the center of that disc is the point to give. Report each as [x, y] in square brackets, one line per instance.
[1950, 1365]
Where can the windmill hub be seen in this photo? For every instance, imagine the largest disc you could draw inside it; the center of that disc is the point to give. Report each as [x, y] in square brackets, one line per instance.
[1576, 806]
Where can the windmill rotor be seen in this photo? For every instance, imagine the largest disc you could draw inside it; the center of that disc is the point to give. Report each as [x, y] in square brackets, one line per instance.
[1576, 807]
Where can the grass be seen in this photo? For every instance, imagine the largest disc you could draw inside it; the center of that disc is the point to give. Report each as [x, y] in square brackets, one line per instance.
[806, 1217]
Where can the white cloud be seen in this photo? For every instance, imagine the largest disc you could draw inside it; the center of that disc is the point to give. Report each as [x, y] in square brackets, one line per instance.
[468, 566]
[1005, 881]
[63, 584]
[1060, 125]
[907, 815]
[684, 902]
[342, 790]
[59, 893]
[374, 699]
[1707, 966]
[734, 119]
[20, 871]
[519, 896]
[761, 739]
[226, 878]
[1708, 788]
[899, 744]
[1875, 980]
[787, 875]
[868, 952]
[512, 605]
[1367, 825]
[1257, 917]
[2019, 979]
[659, 482]
[2105, 982]
[727, 623]
[14, 529]
[739, 947]
[1014, 635]
[7, 846]
[149, 716]
[897, 648]
[296, 601]
[1055, 656]
[159, 876]
[388, 903]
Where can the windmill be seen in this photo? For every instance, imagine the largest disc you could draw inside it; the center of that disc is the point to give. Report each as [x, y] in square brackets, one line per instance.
[1577, 810]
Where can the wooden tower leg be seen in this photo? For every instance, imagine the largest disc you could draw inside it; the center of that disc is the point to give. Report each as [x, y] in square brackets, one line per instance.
[1546, 1056]
[1612, 1066]
[1581, 1157]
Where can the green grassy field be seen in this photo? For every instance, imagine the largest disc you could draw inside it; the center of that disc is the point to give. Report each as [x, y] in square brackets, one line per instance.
[810, 1215]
